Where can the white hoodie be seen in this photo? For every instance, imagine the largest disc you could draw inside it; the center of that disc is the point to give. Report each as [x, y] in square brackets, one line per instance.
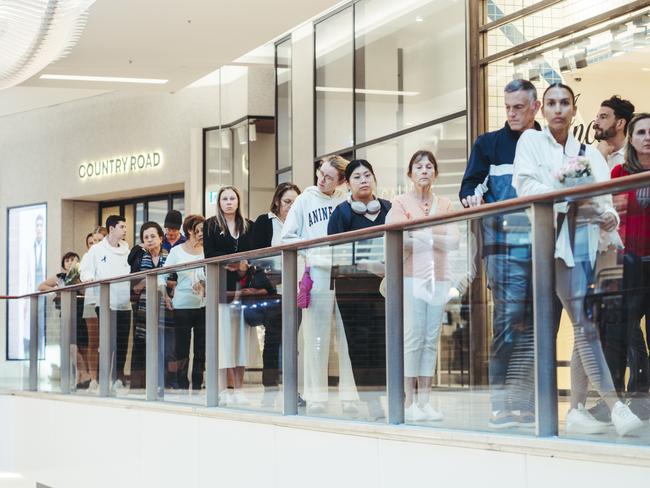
[308, 219]
[310, 214]
[104, 261]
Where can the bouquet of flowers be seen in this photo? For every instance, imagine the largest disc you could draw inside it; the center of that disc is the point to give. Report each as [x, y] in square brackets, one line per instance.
[577, 171]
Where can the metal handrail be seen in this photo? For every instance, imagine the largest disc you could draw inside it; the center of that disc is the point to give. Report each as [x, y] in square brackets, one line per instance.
[487, 210]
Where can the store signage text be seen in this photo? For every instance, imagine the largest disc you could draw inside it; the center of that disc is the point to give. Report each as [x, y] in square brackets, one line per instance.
[120, 165]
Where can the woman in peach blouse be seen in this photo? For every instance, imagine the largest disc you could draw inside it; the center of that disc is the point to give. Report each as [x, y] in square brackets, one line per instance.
[427, 279]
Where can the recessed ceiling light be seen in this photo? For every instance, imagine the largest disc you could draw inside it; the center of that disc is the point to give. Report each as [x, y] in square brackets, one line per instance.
[107, 79]
[419, 19]
[645, 69]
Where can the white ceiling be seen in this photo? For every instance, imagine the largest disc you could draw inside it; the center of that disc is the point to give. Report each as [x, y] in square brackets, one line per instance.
[181, 41]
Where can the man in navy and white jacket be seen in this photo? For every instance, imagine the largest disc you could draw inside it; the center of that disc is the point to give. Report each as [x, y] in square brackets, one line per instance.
[507, 253]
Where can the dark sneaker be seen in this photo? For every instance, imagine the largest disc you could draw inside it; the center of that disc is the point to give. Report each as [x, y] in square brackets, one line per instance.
[601, 412]
[301, 401]
[640, 407]
[503, 419]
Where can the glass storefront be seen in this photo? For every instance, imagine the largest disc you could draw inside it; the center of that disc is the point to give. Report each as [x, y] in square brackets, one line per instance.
[379, 91]
[240, 154]
[140, 210]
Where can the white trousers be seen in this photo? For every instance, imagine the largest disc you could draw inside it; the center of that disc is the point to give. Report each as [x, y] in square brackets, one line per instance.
[316, 327]
[424, 304]
[238, 344]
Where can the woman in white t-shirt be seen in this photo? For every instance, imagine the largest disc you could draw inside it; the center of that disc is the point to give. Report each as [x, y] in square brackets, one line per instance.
[188, 306]
[584, 228]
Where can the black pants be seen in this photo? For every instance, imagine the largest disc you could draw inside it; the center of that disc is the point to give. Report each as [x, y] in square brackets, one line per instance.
[189, 319]
[121, 327]
[364, 319]
[272, 343]
[623, 341]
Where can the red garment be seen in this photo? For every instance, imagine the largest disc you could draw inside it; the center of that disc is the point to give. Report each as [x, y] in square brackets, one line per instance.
[634, 210]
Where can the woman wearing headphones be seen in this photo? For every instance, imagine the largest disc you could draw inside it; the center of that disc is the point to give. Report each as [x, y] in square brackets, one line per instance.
[357, 283]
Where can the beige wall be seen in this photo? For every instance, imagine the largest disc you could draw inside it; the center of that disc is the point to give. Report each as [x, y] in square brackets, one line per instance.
[41, 151]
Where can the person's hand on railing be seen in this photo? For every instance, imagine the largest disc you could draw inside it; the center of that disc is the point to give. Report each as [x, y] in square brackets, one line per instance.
[472, 201]
[168, 303]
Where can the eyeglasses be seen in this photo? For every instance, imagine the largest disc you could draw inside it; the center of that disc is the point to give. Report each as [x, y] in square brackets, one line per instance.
[327, 178]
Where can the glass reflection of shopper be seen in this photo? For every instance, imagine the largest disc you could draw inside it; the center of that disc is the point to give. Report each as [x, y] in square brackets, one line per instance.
[361, 304]
[308, 219]
[427, 280]
[226, 233]
[148, 255]
[90, 314]
[188, 306]
[267, 231]
[635, 231]
[108, 259]
[584, 228]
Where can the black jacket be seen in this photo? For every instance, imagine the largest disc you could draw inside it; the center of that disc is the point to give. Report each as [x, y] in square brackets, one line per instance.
[217, 243]
[262, 232]
[343, 219]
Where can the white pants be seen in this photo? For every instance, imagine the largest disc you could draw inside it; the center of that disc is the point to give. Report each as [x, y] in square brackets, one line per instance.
[316, 329]
[238, 344]
[424, 305]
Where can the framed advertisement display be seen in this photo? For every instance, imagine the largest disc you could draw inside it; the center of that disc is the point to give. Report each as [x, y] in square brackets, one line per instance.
[26, 269]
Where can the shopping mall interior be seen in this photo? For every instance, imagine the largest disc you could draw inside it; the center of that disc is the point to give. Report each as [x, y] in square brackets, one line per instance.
[141, 107]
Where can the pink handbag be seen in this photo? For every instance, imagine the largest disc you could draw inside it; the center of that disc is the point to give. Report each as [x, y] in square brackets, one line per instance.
[304, 289]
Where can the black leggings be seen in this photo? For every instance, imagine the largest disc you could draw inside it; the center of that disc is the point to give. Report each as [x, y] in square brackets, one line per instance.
[272, 343]
[186, 320]
[121, 325]
[364, 319]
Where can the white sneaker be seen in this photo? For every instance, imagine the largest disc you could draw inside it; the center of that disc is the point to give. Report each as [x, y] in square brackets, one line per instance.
[226, 397]
[625, 421]
[580, 421]
[240, 398]
[414, 414]
[316, 408]
[93, 387]
[431, 414]
[268, 398]
[350, 408]
[118, 386]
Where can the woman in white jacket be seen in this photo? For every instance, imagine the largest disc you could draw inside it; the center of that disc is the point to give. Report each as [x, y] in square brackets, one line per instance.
[584, 228]
[308, 219]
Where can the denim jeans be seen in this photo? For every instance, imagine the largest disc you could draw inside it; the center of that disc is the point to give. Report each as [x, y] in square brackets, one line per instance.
[511, 350]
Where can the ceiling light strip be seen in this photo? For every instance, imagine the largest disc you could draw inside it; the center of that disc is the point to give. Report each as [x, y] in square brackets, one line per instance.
[105, 79]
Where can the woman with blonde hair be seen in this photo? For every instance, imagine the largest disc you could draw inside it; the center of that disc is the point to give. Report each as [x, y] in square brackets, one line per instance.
[308, 219]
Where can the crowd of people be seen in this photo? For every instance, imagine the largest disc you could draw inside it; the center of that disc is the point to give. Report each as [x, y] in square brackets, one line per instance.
[523, 159]
[345, 301]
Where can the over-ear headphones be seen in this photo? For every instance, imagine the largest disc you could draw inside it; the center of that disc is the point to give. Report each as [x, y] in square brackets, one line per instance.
[361, 208]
